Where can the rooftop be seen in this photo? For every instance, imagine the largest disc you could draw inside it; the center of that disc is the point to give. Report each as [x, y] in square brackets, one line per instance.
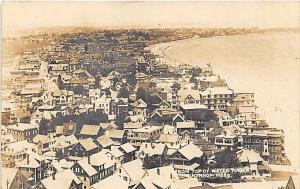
[147, 129]
[23, 126]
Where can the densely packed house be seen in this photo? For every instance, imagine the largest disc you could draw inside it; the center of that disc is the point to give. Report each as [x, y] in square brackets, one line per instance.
[99, 111]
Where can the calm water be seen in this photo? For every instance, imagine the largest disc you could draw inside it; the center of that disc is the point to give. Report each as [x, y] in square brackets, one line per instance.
[267, 64]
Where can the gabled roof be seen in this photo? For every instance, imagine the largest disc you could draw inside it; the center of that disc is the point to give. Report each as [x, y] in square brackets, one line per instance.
[217, 91]
[185, 125]
[8, 177]
[231, 131]
[127, 147]
[90, 170]
[23, 126]
[134, 170]
[132, 125]
[178, 116]
[62, 180]
[152, 148]
[42, 138]
[61, 164]
[113, 181]
[20, 146]
[88, 144]
[190, 151]
[65, 141]
[116, 153]
[140, 103]
[105, 141]
[147, 129]
[183, 94]
[28, 163]
[116, 133]
[101, 158]
[92, 130]
[249, 156]
[154, 183]
[164, 172]
[107, 125]
[164, 138]
[193, 106]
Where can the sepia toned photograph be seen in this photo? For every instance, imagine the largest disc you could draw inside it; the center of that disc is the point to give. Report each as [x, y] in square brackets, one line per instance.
[150, 94]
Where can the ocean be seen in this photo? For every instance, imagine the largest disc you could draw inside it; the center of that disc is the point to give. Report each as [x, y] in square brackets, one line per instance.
[267, 64]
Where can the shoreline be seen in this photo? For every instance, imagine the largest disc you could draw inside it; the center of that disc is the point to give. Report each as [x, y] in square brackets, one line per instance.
[165, 50]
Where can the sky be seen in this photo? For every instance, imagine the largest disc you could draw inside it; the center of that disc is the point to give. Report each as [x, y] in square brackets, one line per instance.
[23, 15]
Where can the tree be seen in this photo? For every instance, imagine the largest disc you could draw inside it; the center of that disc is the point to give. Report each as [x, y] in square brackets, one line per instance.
[92, 118]
[131, 79]
[79, 89]
[123, 93]
[44, 126]
[143, 94]
[175, 87]
[59, 82]
[59, 114]
[151, 162]
[97, 82]
[226, 159]
[86, 48]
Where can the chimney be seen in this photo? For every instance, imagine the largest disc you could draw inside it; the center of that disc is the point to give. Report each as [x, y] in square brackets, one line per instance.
[89, 159]
[171, 176]
[146, 145]
[158, 171]
[53, 176]
[27, 158]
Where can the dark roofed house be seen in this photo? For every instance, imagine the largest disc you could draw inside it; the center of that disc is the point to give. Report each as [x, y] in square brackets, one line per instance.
[167, 116]
[85, 172]
[292, 183]
[197, 112]
[13, 178]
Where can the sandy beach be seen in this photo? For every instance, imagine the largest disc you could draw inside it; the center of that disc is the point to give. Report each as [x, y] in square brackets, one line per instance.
[267, 64]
